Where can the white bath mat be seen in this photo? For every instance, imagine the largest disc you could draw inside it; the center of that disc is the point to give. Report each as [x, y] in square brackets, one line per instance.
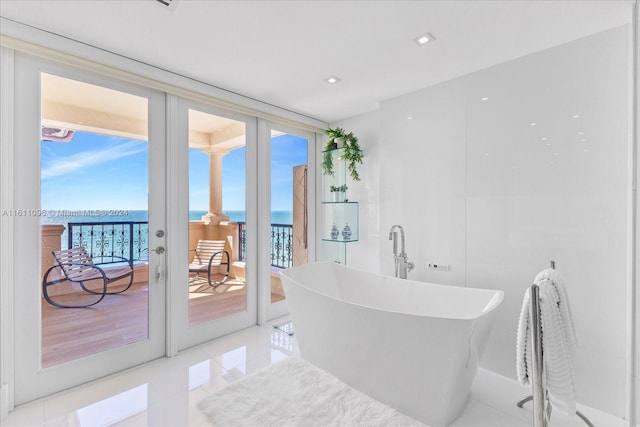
[293, 392]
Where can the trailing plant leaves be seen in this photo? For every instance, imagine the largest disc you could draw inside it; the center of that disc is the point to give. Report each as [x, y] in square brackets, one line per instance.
[352, 152]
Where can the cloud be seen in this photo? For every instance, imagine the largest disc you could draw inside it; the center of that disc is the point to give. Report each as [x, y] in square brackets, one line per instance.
[88, 159]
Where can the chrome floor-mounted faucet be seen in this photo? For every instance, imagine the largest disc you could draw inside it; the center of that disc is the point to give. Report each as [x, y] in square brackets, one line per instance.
[402, 265]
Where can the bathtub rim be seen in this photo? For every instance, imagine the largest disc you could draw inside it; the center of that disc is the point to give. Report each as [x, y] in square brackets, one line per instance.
[492, 304]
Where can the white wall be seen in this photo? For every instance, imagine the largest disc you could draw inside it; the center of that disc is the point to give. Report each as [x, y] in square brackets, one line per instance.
[476, 186]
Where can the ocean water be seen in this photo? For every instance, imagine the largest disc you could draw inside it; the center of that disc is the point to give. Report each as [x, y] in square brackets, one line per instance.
[67, 216]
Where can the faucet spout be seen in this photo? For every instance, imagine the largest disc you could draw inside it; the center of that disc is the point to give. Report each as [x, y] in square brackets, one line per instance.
[393, 235]
[403, 266]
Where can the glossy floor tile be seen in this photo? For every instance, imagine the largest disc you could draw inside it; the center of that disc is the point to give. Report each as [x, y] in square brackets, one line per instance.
[165, 392]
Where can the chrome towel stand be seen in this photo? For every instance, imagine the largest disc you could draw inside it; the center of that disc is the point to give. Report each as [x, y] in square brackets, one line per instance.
[541, 406]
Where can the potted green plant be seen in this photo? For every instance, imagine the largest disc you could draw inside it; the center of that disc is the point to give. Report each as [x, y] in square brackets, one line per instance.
[352, 154]
[339, 192]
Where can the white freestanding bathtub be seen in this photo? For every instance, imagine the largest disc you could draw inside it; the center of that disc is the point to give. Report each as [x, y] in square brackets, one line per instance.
[412, 345]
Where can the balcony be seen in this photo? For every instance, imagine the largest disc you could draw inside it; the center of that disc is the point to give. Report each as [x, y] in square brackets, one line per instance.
[74, 333]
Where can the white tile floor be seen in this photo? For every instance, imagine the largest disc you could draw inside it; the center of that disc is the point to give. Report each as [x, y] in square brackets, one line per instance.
[165, 392]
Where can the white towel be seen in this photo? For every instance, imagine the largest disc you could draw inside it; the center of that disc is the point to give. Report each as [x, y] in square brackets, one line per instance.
[558, 341]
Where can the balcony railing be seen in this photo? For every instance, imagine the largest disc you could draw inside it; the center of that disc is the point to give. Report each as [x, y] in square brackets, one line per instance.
[128, 240]
[281, 244]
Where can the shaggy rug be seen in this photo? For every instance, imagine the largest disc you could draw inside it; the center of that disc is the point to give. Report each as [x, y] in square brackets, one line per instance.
[293, 392]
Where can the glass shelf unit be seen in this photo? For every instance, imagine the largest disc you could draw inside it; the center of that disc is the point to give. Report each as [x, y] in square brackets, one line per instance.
[341, 214]
[337, 209]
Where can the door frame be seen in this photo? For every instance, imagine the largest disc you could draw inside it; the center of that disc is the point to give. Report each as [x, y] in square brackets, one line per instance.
[7, 339]
[30, 380]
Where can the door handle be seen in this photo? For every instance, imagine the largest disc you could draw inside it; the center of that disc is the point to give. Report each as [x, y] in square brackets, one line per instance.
[159, 250]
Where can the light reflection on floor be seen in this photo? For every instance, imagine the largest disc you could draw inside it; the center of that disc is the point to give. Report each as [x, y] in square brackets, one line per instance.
[199, 288]
[165, 392]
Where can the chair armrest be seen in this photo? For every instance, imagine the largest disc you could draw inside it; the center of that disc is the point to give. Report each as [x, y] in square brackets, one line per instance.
[222, 261]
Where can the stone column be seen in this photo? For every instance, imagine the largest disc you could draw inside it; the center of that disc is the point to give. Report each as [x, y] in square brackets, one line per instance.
[214, 216]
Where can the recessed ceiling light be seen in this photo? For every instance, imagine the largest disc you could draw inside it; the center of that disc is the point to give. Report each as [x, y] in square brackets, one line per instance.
[424, 39]
[484, 98]
[576, 116]
[409, 118]
[544, 138]
[533, 123]
[332, 79]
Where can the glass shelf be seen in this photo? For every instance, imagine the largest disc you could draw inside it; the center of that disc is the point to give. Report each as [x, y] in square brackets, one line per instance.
[339, 203]
[340, 214]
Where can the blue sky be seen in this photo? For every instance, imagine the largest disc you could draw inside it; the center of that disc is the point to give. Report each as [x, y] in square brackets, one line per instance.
[103, 172]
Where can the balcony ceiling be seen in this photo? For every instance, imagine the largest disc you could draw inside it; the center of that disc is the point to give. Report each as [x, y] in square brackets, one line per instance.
[280, 52]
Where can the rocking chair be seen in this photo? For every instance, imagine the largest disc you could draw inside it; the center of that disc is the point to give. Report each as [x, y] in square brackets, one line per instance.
[209, 254]
[76, 266]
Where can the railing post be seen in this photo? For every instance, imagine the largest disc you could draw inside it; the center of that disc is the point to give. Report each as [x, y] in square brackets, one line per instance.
[131, 241]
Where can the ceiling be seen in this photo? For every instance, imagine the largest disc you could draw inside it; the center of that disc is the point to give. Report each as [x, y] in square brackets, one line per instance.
[280, 52]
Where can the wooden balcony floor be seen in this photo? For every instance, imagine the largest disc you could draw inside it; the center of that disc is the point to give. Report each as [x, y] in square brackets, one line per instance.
[118, 320]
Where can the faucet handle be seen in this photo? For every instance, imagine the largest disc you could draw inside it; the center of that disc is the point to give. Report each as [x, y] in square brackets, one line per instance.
[410, 266]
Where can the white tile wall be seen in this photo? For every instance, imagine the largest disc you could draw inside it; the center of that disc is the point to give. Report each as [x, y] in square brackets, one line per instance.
[477, 187]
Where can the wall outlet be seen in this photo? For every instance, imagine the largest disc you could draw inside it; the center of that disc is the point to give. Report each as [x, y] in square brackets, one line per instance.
[442, 267]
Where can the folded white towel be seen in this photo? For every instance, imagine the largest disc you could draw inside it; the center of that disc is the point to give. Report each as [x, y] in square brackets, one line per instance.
[523, 342]
[563, 305]
[558, 341]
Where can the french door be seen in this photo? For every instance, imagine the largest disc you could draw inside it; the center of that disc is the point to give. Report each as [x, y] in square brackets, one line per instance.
[213, 246]
[89, 155]
[147, 181]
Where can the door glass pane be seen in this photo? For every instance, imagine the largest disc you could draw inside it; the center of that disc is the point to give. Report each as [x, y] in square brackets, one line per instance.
[94, 187]
[289, 217]
[217, 219]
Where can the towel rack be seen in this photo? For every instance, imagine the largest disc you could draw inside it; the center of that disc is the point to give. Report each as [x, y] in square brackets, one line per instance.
[541, 406]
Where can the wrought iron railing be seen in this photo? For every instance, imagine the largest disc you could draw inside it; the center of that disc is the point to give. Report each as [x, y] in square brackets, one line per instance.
[128, 239]
[281, 244]
[242, 237]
